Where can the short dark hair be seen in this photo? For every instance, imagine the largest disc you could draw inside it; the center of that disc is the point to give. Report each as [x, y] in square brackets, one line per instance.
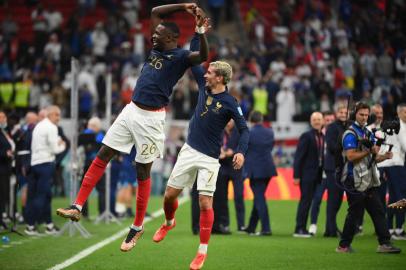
[360, 106]
[173, 28]
[255, 117]
[328, 113]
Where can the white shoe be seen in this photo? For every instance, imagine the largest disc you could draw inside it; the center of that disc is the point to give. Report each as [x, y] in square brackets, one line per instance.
[399, 236]
[51, 229]
[312, 229]
[31, 231]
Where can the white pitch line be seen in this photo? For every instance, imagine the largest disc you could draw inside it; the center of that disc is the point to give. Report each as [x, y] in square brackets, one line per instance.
[86, 252]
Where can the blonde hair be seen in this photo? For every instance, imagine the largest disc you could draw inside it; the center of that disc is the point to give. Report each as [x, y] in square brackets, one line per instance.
[340, 105]
[223, 69]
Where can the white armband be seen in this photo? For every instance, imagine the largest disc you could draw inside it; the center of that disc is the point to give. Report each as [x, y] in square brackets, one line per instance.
[200, 29]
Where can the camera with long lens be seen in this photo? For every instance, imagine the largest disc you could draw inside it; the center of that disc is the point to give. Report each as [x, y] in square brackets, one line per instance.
[390, 128]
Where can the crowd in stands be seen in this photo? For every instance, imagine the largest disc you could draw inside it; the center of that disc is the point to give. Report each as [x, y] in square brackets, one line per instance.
[316, 52]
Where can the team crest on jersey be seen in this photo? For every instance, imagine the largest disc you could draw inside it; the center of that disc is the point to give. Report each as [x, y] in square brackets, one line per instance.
[217, 108]
[209, 100]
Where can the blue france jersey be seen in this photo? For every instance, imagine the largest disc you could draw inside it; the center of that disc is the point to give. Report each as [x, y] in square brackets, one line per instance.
[160, 73]
[211, 115]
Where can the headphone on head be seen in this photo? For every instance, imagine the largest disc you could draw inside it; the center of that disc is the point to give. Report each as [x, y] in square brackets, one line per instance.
[359, 106]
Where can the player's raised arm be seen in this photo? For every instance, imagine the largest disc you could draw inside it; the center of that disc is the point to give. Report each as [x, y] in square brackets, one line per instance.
[197, 70]
[202, 26]
[159, 12]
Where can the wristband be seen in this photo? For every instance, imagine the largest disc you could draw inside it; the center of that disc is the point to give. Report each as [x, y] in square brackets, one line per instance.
[200, 29]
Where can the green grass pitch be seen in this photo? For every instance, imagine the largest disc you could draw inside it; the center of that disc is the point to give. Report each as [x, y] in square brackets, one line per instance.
[236, 251]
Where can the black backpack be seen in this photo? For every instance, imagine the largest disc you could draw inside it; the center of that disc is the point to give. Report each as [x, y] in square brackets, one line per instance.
[340, 160]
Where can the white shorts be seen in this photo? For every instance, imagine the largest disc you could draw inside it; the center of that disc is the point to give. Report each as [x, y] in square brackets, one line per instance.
[192, 163]
[144, 129]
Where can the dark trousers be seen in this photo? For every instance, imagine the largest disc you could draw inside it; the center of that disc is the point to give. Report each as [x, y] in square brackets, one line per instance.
[334, 200]
[238, 184]
[357, 202]
[397, 190]
[5, 174]
[383, 190]
[260, 208]
[39, 193]
[220, 199]
[317, 197]
[307, 189]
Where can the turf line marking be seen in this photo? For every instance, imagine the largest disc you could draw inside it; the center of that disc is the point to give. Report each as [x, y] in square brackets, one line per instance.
[86, 252]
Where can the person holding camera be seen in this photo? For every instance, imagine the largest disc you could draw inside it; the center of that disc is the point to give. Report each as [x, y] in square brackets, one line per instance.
[360, 177]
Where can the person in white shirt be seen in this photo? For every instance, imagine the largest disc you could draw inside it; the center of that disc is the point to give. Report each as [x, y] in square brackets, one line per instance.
[395, 172]
[54, 19]
[100, 40]
[45, 145]
[285, 100]
[53, 48]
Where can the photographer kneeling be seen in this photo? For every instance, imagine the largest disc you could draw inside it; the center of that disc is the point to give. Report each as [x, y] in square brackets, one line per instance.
[360, 178]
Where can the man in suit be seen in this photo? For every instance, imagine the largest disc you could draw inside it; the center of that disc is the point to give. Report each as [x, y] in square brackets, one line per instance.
[259, 167]
[7, 148]
[335, 193]
[308, 170]
[328, 117]
[226, 173]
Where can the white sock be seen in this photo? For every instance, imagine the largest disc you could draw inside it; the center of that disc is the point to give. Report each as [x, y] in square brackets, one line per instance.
[136, 227]
[50, 225]
[398, 230]
[203, 248]
[30, 227]
[169, 222]
[78, 207]
[391, 231]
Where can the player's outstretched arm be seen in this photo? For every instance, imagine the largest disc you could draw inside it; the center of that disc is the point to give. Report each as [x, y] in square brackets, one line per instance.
[159, 12]
[202, 26]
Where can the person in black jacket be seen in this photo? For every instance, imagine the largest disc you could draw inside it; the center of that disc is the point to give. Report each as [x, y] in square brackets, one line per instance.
[22, 139]
[7, 147]
[335, 193]
[91, 139]
[226, 173]
[308, 170]
[259, 168]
